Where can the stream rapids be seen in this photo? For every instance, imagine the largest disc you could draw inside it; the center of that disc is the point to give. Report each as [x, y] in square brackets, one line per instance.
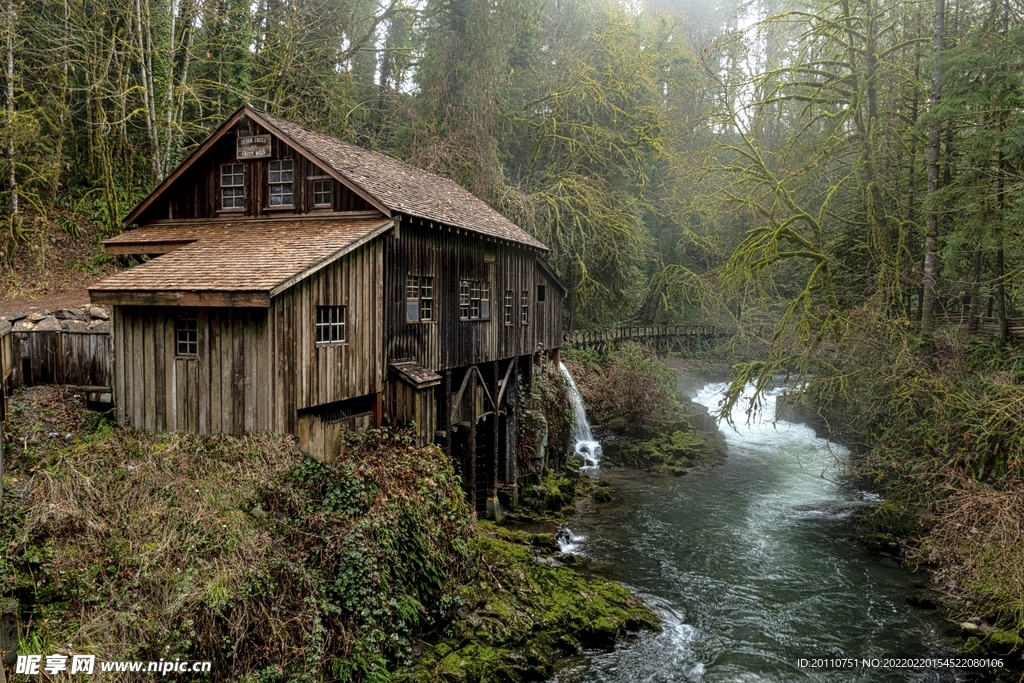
[751, 569]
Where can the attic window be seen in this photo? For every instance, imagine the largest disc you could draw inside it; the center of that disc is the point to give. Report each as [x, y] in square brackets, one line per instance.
[322, 192]
[232, 186]
[541, 292]
[186, 334]
[281, 192]
[490, 253]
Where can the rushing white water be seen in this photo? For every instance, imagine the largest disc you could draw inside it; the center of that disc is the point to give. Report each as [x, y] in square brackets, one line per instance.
[750, 568]
[568, 542]
[586, 447]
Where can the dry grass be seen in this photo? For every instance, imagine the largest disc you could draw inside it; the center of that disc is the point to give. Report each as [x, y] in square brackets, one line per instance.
[977, 544]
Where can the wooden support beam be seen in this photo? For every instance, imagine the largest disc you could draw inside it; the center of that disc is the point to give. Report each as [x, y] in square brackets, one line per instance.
[447, 407]
[493, 509]
[462, 389]
[504, 383]
[470, 467]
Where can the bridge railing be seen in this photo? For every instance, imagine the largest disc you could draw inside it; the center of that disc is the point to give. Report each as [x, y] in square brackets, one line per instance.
[646, 332]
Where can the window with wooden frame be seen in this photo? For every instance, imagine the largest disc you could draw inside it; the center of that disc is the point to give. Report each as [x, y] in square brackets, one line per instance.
[508, 307]
[474, 300]
[282, 189]
[419, 298]
[330, 324]
[232, 186]
[186, 335]
[524, 305]
[541, 292]
[323, 193]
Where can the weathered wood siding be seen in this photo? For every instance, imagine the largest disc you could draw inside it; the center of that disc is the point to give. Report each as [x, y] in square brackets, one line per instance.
[196, 194]
[60, 357]
[549, 311]
[409, 404]
[449, 256]
[322, 439]
[225, 388]
[306, 374]
[6, 369]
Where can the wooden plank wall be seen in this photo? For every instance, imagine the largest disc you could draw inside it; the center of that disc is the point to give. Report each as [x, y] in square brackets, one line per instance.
[223, 389]
[196, 194]
[59, 357]
[306, 374]
[448, 255]
[86, 358]
[6, 368]
[409, 404]
[549, 312]
[322, 439]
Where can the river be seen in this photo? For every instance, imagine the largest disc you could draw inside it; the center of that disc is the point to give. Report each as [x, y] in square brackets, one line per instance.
[751, 568]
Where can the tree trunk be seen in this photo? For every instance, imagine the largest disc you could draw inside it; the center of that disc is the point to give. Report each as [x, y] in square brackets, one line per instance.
[1004, 328]
[931, 239]
[12, 177]
[975, 306]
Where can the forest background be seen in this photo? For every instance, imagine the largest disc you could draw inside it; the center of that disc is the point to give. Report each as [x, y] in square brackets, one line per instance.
[684, 160]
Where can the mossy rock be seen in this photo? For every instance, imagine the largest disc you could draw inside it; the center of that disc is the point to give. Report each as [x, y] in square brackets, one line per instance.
[525, 615]
[1006, 639]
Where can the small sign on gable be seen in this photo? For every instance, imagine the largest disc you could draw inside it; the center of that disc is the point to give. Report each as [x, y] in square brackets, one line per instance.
[252, 147]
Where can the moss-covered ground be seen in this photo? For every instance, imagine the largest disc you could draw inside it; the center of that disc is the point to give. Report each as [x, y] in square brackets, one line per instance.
[521, 614]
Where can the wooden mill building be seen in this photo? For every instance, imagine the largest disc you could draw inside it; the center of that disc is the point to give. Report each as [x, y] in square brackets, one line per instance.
[297, 283]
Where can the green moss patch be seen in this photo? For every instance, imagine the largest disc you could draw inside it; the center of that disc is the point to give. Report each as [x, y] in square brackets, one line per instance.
[521, 615]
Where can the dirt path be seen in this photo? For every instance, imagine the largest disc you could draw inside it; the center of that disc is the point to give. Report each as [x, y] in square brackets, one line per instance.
[48, 302]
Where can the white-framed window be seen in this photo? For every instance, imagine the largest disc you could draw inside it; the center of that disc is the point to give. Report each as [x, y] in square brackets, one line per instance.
[330, 324]
[508, 306]
[186, 334]
[232, 186]
[323, 192]
[281, 186]
[474, 300]
[419, 298]
[524, 305]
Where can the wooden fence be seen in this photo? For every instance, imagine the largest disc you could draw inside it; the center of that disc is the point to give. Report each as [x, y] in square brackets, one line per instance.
[80, 360]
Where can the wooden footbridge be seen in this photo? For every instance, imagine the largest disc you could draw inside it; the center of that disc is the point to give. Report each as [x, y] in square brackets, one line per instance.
[659, 336]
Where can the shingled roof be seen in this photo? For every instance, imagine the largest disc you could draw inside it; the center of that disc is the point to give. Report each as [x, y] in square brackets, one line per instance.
[400, 187]
[259, 258]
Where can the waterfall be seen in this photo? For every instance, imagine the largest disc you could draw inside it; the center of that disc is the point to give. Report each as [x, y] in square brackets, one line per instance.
[586, 447]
